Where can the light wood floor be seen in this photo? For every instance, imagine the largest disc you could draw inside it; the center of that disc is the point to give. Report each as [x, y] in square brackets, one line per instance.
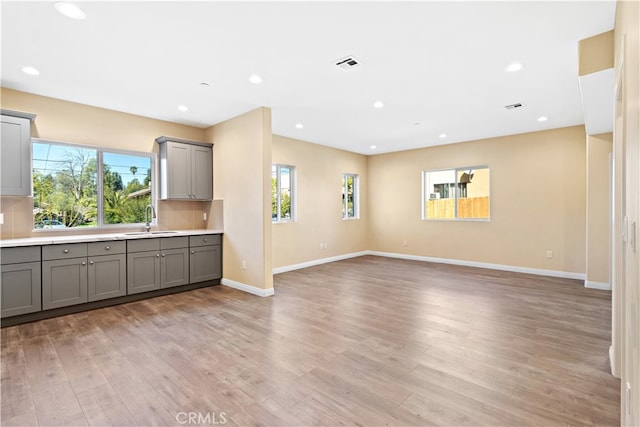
[368, 341]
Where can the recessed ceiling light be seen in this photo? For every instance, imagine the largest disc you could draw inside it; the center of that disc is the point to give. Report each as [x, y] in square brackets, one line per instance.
[183, 108]
[416, 123]
[543, 118]
[378, 104]
[32, 71]
[299, 125]
[255, 79]
[70, 10]
[373, 147]
[512, 68]
[443, 135]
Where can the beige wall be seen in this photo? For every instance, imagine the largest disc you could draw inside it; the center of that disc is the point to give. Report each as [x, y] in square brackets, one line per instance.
[319, 172]
[595, 53]
[626, 293]
[598, 199]
[63, 121]
[242, 178]
[537, 202]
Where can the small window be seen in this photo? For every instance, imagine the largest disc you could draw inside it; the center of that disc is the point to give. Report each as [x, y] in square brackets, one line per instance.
[461, 193]
[350, 196]
[76, 186]
[282, 193]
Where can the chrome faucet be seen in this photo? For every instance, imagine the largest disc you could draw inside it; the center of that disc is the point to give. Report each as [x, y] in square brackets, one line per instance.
[146, 214]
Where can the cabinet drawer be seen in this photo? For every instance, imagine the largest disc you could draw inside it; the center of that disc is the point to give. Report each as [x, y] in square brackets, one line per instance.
[107, 248]
[205, 240]
[174, 242]
[71, 250]
[19, 254]
[143, 245]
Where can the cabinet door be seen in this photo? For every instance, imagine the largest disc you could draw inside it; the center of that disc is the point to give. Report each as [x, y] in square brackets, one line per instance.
[201, 173]
[20, 286]
[15, 157]
[143, 272]
[174, 267]
[64, 282]
[177, 170]
[107, 276]
[205, 263]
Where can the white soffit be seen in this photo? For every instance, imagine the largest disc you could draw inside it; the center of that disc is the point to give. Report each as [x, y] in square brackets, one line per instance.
[597, 92]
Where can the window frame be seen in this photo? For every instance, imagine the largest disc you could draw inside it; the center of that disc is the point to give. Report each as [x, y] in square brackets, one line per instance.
[356, 196]
[292, 191]
[100, 184]
[456, 188]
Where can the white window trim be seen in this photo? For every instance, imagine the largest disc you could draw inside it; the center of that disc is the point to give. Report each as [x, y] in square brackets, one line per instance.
[356, 197]
[456, 170]
[292, 190]
[155, 191]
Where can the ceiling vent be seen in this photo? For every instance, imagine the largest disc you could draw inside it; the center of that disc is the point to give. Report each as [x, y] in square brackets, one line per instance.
[348, 63]
[514, 106]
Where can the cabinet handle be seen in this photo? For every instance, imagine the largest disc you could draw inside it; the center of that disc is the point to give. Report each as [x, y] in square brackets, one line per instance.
[66, 251]
[157, 255]
[162, 255]
[106, 248]
[205, 239]
[192, 252]
[84, 263]
[90, 262]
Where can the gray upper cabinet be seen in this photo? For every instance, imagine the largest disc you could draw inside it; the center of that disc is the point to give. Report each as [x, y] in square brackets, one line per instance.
[186, 169]
[20, 280]
[15, 153]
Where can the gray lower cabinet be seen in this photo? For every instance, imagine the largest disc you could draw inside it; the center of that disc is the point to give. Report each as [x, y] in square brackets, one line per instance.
[143, 271]
[64, 275]
[20, 281]
[81, 272]
[205, 258]
[174, 268]
[107, 270]
[157, 263]
[64, 282]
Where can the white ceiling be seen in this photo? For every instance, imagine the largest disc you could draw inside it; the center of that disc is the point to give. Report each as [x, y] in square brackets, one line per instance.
[437, 66]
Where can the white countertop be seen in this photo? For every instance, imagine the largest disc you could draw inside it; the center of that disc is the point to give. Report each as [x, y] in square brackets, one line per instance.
[80, 238]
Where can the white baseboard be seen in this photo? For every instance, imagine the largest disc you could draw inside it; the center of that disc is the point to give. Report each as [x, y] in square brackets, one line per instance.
[286, 268]
[247, 288]
[502, 267]
[597, 285]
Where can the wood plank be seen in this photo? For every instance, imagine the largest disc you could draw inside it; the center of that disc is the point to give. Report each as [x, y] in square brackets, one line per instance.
[364, 341]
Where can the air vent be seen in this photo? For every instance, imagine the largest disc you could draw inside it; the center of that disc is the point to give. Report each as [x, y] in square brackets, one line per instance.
[514, 106]
[348, 63]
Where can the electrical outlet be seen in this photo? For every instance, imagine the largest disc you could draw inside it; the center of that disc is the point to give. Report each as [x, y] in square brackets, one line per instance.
[1, 218]
[244, 264]
[204, 216]
[549, 254]
[405, 243]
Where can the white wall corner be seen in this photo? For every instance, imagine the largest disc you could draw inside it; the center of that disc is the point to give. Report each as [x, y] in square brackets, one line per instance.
[597, 285]
[248, 288]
